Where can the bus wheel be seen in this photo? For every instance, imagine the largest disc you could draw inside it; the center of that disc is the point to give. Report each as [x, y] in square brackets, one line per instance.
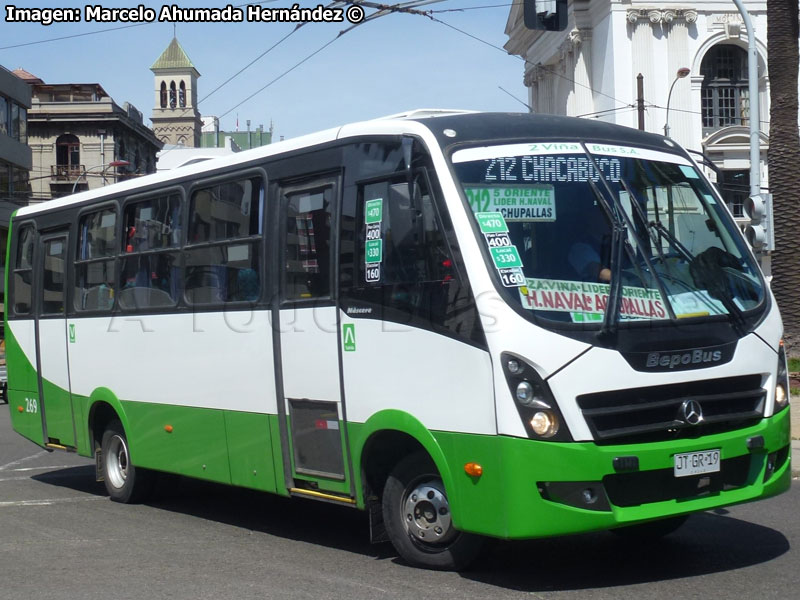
[124, 482]
[652, 530]
[417, 518]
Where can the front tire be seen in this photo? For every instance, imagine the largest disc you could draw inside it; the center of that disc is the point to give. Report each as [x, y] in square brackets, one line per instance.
[124, 482]
[417, 518]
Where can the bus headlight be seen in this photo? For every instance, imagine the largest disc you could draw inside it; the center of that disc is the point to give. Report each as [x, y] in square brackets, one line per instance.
[534, 401]
[544, 423]
[525, 393]
[781, 382]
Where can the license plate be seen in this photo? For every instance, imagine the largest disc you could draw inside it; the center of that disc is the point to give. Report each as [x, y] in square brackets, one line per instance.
[695, 463]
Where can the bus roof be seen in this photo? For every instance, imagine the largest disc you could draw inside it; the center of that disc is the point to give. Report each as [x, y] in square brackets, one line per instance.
[450, 127]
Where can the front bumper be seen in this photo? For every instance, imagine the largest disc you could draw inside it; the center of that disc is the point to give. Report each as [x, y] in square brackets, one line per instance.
[536, 489]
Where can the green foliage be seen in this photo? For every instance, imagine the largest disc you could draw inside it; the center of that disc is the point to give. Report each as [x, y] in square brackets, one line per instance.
[794, 365]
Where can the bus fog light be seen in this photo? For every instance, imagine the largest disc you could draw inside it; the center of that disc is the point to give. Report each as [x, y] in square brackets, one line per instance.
[544, 423]
[589, 496]
[525, 393]
[781, 397]
[514, 366]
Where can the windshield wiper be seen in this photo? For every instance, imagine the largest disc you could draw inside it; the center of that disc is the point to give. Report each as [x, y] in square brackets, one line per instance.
[618, 236]
[621, 223]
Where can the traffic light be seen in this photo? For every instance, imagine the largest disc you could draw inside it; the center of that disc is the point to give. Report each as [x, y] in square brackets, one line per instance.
[547, 15]
[759, 231]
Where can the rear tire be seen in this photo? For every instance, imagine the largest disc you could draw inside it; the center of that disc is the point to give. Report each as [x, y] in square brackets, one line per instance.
[417, 518]
[124, 482]
[651, 530]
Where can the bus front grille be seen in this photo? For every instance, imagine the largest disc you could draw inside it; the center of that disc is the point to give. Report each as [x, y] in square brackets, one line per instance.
[659, 413]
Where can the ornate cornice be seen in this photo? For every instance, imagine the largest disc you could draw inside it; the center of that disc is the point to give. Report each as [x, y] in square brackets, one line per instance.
[661, 16]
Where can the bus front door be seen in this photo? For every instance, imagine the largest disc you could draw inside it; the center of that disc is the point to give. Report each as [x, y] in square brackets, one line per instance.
[52, 340]
[310, 407]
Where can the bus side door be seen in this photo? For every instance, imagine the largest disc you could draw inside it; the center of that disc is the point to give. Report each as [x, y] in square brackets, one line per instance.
[311, 398]
[52, 339]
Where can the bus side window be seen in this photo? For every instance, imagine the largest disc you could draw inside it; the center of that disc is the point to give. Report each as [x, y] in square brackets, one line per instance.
[23, 271]
[225, 227]
[150, 261]
[413, 249]
[95, 279]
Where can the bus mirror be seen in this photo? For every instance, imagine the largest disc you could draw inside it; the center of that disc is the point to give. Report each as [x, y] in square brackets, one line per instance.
[545, 15]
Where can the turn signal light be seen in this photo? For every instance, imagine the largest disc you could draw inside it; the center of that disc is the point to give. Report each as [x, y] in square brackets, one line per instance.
[473, 469]
[168, 428]
[20, 409]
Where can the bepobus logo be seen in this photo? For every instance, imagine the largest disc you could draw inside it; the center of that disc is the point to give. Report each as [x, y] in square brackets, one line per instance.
[695, 357]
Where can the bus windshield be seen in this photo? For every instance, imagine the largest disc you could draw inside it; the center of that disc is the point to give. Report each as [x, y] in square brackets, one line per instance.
[570, 226]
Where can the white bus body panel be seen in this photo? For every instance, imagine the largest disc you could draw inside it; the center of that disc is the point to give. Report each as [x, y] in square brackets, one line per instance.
[25, 334]
[601, 370]
[53, 352]
[309, 354]
[440, 381]
[207, 360]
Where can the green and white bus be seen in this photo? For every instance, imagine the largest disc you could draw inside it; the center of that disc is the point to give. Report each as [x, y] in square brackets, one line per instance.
[469, 325]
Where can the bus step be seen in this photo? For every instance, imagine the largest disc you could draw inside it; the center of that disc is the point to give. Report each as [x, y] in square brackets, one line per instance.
[55, 446]
[321, 496]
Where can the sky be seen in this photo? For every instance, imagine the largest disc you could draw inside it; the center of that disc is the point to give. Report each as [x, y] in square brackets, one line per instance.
[384, 66]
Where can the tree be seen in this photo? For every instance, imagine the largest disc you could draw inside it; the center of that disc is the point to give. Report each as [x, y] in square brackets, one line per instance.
[783, 160]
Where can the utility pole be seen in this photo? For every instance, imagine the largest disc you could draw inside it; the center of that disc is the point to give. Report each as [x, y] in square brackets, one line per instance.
[640, 99]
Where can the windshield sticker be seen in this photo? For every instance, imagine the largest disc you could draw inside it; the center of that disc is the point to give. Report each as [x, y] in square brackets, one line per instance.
[695, 304]
[373, 242]
[709, 198]
[689, 172]
[587, 301]
[562, 148]
[373, 211]
[504, 254]
[490, 222]
[506, 257]
[373, 251]
[515, 203]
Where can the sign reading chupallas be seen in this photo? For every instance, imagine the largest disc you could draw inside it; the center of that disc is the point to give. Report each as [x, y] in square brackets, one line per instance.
[514, 202]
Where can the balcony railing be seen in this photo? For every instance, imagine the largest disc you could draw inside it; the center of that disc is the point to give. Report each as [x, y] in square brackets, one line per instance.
[66, 172]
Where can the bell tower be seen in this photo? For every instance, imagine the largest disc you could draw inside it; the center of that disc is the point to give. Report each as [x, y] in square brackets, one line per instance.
[175, 116]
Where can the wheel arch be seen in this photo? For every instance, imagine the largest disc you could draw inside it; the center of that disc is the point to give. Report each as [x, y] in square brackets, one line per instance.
[384, 440]
[104, 407]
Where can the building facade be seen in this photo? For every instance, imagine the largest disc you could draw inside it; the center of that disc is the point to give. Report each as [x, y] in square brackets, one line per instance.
[214, 137]
[591, 70]
[81, 139]
[175, 116]
[15, 155]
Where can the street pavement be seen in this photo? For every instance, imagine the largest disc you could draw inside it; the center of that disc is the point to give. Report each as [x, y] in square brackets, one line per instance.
[61, 538]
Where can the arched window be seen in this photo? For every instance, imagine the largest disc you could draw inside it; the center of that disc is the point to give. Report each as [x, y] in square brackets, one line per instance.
[173, 95]
[68, 156]
[163, 94]
[182, 95]
[725, 99]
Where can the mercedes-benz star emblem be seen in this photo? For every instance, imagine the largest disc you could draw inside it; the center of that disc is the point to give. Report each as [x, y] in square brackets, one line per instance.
[691, 412]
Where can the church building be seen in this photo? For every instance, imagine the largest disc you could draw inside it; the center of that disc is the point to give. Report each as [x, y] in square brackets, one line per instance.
[175, 116]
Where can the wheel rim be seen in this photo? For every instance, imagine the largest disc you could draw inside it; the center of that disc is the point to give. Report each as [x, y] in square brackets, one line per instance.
[117, 462]
[425, 512]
